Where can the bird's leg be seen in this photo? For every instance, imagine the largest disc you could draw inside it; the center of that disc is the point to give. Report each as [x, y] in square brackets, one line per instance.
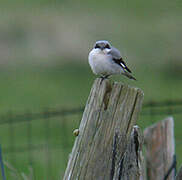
[104, 77]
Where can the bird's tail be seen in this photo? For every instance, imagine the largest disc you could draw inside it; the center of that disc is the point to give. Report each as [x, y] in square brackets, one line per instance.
[129, 76]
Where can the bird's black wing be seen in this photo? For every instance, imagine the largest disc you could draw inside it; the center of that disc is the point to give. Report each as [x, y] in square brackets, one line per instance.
[122, 64]
[117, 58]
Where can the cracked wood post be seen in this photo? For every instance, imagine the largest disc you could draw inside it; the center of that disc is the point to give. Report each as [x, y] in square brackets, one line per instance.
[160, 149]
[103, 150]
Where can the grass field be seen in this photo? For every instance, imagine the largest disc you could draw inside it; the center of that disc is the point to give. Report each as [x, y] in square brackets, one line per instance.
[68, 85]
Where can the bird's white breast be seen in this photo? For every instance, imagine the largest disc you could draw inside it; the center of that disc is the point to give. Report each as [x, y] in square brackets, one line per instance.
[101, 63]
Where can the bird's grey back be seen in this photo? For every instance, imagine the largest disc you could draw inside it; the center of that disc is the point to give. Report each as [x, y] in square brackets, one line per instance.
[115, 53]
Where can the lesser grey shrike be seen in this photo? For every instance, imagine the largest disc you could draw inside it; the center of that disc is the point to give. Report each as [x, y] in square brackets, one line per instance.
[106, 60]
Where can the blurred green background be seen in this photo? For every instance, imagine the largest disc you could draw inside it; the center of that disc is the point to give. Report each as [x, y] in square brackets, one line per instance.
[44, 46]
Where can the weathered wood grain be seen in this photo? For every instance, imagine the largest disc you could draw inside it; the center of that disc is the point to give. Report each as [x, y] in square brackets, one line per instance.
[110, 114]
[160, 149]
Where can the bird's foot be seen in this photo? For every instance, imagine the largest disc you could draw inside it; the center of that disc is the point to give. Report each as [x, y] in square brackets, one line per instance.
[103, 78]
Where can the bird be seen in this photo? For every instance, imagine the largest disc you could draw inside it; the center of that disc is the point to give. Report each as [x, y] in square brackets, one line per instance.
[105, 60]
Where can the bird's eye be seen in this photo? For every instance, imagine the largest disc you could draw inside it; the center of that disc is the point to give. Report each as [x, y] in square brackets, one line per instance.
[107, 46]
[97, 46]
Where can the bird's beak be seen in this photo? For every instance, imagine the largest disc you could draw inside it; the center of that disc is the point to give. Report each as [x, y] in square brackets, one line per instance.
[102, 48]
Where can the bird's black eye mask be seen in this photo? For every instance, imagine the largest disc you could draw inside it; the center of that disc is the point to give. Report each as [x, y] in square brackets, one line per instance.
[107, 46]
[97, 46]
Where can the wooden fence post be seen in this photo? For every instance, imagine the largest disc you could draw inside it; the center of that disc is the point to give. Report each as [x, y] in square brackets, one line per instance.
[101, 147]
[160, 149]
